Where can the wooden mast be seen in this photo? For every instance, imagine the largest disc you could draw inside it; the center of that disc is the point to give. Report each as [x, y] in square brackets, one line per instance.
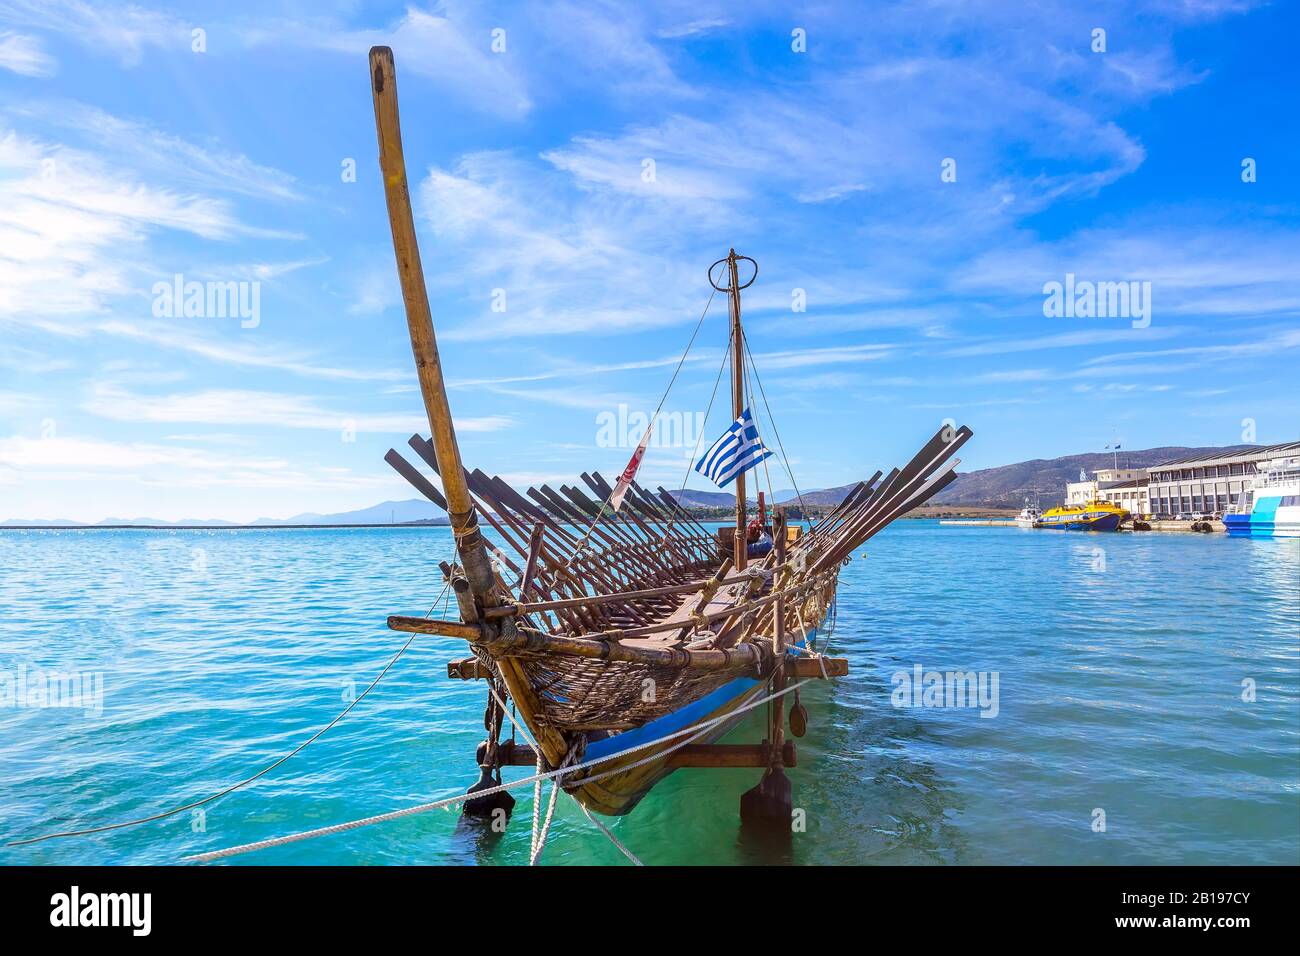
[460, 506]
[737, 404]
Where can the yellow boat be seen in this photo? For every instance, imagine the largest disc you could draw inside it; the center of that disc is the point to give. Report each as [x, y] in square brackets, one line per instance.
[1096, 515]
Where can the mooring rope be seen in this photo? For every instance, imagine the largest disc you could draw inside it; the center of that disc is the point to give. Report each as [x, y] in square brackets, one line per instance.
[609, 833]
[537, 804]
[696, 730]
[243, 783]
[534, 851]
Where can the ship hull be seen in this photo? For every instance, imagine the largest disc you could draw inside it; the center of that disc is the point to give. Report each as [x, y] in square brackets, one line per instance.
[1270, 518]
[632, 776]
[1105, 521]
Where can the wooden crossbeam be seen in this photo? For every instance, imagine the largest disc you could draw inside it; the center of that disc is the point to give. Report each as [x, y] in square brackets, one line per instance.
[812, 667]
[470, 668]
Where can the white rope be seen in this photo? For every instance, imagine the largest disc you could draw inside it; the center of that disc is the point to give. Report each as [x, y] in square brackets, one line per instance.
[695, 731]
[605, 830]
[537, 805]
[539, 838]
[821, 658]
[535, 850]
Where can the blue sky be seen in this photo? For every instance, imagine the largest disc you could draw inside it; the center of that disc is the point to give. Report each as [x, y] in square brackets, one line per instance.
[126, 158]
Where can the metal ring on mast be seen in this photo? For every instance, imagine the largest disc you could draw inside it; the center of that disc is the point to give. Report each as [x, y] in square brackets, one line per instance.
[727, 288]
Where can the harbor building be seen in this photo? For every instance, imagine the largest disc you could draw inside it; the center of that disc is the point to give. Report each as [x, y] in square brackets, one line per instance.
[1207, 484]
[1126, 487]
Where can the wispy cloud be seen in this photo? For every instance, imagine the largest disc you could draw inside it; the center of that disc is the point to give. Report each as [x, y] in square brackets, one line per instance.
[248, 356]
[154, 153]
[24, 55]
[452, 47]
[126, 30]
[73, 230]
[257, 409]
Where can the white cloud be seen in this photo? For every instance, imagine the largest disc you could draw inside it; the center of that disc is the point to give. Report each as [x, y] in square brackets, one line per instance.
[177, 339]
[25, 56]
[92, 454]
[448, 47]
[126, 30]
[73, 231]
[1193, 268]
[1063, 340]
[233, 407]
[148, 151]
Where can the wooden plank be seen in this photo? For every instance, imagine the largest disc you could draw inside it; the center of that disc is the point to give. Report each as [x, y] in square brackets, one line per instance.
[812, 666]
[426, 625]
[417, 480]
[467, 669]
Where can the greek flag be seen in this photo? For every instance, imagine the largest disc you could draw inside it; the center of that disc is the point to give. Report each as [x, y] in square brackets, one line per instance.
[738, 450]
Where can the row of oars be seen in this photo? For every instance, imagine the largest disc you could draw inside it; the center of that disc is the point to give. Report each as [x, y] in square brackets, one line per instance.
[568, 553]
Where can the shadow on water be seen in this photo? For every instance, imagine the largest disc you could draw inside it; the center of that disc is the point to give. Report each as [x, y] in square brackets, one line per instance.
[480, 840]
[757, 844]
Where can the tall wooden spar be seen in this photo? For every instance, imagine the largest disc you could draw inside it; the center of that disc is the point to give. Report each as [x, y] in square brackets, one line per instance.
[737, 402]
[732, 288]
[477, 591]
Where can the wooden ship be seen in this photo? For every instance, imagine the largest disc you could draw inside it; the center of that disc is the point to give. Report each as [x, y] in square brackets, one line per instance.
[625, 641]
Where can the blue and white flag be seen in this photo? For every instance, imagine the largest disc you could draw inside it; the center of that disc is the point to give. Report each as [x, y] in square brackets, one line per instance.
[738, 450]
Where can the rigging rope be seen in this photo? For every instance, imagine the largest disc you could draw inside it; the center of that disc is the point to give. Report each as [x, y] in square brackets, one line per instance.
[726, 355]
[582, 544]
[784, 458]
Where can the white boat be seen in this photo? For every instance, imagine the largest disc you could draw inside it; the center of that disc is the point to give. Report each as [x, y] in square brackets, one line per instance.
[1270, 506]
[1031, 516]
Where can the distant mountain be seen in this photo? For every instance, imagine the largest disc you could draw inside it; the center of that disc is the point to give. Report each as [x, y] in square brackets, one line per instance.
[1009, 485]
[704, 499]
[388, 512]
[821, 498]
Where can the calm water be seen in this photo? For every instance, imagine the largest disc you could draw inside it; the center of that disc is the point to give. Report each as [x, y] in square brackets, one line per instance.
[1120, 688]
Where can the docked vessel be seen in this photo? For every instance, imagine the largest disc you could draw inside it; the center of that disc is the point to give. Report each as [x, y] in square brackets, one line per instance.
[1270, 507]
[1031, 516]
[1095, 516]
[601, 613]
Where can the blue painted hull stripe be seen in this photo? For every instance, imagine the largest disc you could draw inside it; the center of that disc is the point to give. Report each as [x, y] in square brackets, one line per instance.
[679, 719]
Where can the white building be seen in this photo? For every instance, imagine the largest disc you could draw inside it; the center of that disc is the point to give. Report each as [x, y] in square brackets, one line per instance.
[1211, 483]
[1126, 487]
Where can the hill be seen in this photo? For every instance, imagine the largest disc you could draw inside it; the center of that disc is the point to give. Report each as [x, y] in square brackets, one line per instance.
[1009, 485]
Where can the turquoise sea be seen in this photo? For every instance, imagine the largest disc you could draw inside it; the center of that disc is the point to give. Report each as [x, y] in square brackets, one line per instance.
[1122, 662]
